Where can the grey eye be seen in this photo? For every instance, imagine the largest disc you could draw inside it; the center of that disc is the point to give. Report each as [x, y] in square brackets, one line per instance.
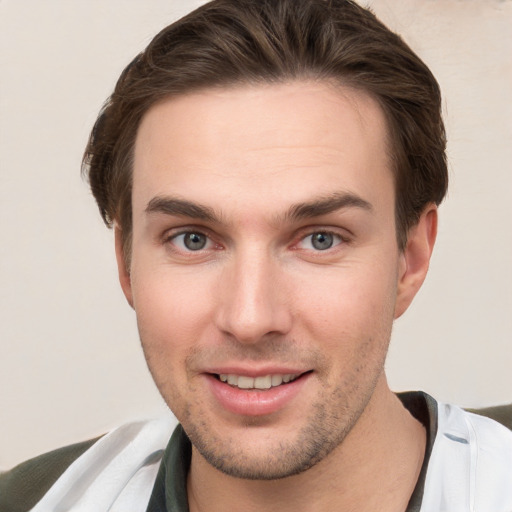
[322, 241]
[194, 241]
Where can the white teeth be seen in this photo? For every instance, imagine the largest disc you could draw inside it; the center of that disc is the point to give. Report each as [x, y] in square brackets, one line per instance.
[263, 382]
[277, 380]
[245, 382]
[266, 382]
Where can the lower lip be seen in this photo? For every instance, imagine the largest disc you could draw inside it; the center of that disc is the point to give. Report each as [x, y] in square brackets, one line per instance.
[255, 403]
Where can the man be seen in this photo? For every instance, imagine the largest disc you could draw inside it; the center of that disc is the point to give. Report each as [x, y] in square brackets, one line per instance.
[272, 171]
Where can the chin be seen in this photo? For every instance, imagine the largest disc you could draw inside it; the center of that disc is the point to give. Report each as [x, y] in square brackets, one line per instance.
[271, 453]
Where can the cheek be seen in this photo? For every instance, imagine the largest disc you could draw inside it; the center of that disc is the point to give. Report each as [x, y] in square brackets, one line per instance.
[351, 312]
[346, 295]
[172, 311]
[173, 317]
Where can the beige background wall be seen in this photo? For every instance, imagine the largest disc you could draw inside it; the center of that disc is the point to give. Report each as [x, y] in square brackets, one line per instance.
[70, 363]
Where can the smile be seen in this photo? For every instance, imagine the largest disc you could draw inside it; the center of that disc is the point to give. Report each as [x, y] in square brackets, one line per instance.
[264, 382]
[256, 395]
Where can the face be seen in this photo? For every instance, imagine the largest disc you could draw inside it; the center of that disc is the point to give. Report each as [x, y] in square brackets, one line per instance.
[265, 270]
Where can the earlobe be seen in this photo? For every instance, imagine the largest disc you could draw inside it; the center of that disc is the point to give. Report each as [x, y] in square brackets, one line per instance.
[122, 269]
[415, 258]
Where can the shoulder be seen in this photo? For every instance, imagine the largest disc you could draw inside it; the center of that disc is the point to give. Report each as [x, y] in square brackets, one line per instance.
[24, 485]
[117, 469]
[470, 466]
[500, 413]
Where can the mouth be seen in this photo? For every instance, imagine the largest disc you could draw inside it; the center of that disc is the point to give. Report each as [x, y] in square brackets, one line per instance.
[256, 395]
[260, 383]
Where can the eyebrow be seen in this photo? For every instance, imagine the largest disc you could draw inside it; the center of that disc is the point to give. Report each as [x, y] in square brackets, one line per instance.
[181, 208]
[326, 205]
[169, 205]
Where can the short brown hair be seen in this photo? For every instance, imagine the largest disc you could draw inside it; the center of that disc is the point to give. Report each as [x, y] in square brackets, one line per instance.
[229, 42]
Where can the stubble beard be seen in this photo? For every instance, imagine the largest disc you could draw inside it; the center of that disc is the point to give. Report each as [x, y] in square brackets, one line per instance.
[325, 429]
[331, 419]
[313, 443]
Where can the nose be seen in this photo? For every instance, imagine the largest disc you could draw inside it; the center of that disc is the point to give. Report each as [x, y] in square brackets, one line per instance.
[252, 299]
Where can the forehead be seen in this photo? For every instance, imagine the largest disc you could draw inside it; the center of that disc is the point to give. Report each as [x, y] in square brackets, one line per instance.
[299, 137]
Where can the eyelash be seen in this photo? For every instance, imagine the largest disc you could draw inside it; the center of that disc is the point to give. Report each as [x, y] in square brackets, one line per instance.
[334, 234]
[169, 238]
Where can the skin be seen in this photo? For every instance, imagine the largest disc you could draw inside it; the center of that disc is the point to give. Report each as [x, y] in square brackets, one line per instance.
[256, 172]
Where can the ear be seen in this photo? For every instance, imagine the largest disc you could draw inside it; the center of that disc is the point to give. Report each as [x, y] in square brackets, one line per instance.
[122, 269]
[415, 258]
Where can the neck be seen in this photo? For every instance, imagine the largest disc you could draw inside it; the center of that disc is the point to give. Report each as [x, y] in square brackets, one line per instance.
[375, 468]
